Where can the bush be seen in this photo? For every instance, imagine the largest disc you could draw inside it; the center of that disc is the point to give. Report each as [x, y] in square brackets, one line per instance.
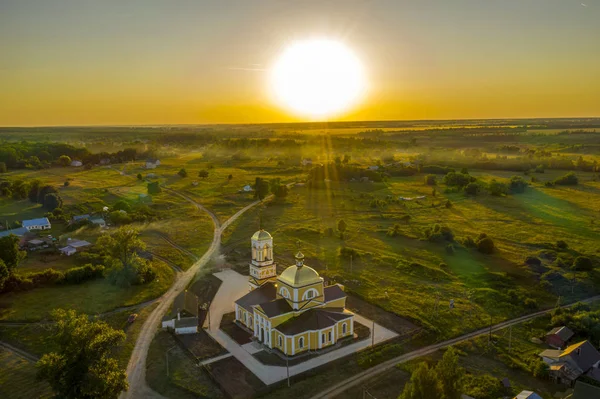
[533, 261]
[438, 233]
[154, 188]
[431, 180]
[570, 179]
[182, 172]
[472, 189]
[497, 188]
[485, 245]
[560, 244]
[469, 242]
[121, 205]
[454, 179]
[67, 183]
[78, 275]
[517, 184]
[583, 263]
[346, 253]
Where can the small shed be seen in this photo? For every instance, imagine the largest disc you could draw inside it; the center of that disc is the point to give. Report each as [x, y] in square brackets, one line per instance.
[99, 222]
[78, 218]
[186, 325]
[559, 336]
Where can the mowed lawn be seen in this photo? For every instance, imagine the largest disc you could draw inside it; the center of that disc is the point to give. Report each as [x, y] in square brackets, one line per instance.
[17, 378]
[414, 278]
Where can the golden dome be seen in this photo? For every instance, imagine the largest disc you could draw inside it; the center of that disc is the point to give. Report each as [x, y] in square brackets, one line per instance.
[300, 276]
[261, 235]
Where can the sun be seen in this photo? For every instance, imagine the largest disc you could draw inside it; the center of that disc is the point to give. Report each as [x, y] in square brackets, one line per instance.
[318, 78]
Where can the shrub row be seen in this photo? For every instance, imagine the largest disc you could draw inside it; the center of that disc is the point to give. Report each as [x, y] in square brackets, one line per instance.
[48, 277]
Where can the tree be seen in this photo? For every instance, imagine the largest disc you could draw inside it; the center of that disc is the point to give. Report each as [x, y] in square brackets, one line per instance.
[83, 366]
[342, 226]
[120, 250]
[229, 177]
[122, 206]
[182, 172]
[346, 159]
[4, 273]
[3, 167]
[154, 188]
[52, 201]
[279, 190]
[203, 174]
[497, 188]
[517, 184]
[450, 374]
[10, 253]
[139, 176]
[424, 384]
[457, 179]
[430, 180]
[34, 188]
[570, 179]
[261, 188]
[45, 190]
[64, 160]
[583, 263]
[485, 245]
[472, 189]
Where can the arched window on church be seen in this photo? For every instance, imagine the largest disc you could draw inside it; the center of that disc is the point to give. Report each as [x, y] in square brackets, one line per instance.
[301, 342]
[284, 293]
[309, 294]
[344, 328]
[265, 254]
[254, 253]
[280, 342]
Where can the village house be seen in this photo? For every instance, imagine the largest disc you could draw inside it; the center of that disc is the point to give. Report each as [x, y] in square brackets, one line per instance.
[76, 163]
[152, 163]
[569, 364]
[527, 395]
[293, 312]
[19, 232]
[98, 222]
[373, 167]
[37, 224]
[248, 188]
[36, 244]
[558, 337]
[307, 162]
[74, 246]
[183, 318]
[78, 218]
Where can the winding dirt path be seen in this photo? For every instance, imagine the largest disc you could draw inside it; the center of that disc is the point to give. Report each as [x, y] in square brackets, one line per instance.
[136, 369]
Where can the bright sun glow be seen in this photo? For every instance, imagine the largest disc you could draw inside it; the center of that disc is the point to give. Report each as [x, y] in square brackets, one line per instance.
[318, 78]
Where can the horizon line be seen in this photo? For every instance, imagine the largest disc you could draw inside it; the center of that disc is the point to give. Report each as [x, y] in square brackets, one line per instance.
[299, 122]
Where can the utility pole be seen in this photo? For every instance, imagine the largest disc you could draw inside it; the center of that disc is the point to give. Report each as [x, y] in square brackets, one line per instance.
[490, 335]
[287, 366]
[373, 334]
[167, 356]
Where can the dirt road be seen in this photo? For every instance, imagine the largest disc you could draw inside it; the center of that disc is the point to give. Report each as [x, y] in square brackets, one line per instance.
[361, 378]
[136, 369]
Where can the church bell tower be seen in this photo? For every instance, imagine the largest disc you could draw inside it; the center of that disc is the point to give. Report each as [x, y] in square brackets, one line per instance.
[262, 268]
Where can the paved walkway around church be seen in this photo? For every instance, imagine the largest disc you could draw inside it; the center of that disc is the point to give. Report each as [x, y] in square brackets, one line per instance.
[233, 287]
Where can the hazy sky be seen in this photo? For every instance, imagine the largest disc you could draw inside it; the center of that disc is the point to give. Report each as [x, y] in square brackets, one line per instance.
[182, 61]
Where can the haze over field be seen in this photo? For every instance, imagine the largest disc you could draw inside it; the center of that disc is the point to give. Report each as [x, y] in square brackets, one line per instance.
[154, 62]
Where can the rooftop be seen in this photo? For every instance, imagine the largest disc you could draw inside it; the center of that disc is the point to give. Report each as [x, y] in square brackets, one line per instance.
[18, 232]
[35, 222]
[265, 293]
[261, 235]
[313, 319]
[299, 276]
[186, 322]
[562, 332]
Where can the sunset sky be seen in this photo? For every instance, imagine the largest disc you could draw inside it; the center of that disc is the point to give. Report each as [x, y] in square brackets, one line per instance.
[108, 62]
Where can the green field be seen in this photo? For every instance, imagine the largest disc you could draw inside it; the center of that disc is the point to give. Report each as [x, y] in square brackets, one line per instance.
[17, 378]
